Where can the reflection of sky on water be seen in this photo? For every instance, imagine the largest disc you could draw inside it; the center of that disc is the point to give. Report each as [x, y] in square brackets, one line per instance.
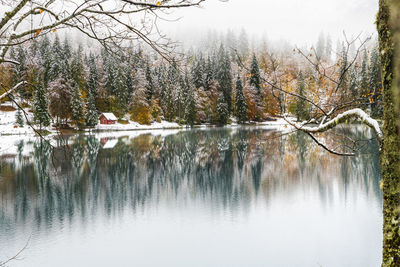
[200, 198]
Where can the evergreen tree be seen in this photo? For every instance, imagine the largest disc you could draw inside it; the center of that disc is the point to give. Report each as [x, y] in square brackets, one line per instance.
[19, 118]
[77, 69]
[223, 110]
[121, 92]
[40, 107]
[224, 77]
[57, 65]
[46, 58]
[161, 82]
[255, 79]
[93, 81]
[20, 71]
[190, 104]
[354, 83]
[198, 72]
[209, 74]
[149, 84]
[91, 112]
[301, 105]
[170, 96]
[110, 71]
[343, 77]
[375, 84]
[364, 86]
[241, 105]
[66, 49]
[77, 114]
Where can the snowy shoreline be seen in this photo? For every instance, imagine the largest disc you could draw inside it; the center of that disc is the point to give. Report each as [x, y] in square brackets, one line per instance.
[10, 129]
[8, 126]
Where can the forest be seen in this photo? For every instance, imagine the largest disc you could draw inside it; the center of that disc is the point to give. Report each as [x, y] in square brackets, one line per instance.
[216, 84]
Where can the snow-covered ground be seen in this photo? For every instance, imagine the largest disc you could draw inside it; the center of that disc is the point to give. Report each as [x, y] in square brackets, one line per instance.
[136, 126]
[8, 126]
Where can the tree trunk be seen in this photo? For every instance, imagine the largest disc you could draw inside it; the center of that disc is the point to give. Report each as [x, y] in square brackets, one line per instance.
[390, 150]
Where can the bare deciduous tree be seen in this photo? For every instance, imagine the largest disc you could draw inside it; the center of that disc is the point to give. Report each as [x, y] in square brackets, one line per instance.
[113, 23]
[331, 111]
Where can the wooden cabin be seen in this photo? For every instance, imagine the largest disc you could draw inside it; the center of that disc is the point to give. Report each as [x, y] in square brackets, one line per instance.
[107, 118]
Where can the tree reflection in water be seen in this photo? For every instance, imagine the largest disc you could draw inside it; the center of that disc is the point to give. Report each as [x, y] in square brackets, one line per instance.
[85, 178]
[221, 166]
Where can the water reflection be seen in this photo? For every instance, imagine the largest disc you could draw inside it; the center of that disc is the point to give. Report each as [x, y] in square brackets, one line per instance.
[89, 178]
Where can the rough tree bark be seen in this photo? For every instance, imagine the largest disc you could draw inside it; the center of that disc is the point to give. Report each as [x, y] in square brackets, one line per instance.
[390, 155]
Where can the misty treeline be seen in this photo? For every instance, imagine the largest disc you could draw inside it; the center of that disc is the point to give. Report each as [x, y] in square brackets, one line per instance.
[229, 79]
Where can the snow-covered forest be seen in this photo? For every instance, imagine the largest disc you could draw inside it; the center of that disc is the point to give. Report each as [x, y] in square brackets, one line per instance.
[230, 79]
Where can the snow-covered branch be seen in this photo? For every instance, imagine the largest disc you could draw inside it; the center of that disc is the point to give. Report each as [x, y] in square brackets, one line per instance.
[7, 60]
[12, 89]
[341, 118]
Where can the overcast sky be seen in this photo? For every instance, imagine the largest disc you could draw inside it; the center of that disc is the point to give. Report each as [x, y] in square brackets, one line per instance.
[299, 22]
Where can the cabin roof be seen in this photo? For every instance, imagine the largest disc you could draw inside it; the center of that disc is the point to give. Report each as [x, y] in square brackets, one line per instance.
[109, 116]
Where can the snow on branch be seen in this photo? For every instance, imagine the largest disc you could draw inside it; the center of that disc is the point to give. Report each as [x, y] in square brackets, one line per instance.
[341, 118]
[7, 60]
[12, 89]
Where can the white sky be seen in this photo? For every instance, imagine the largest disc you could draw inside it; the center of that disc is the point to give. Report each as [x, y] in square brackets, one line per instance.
[299, 22]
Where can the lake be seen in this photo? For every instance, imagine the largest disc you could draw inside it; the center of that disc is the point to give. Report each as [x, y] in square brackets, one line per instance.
[205, 197]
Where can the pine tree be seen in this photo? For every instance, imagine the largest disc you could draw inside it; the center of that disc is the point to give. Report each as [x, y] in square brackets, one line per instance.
[209, 74]
[301, 105]
[255, 78]
[354, 83]
[170, 97]
[19, 118]
[375, 84]
[110, 71]
[198, 72]
[57, 66]
[93, 81]
[40, 107]
[77, 69]
[91, 112]
[46, 58]
[149, 84]
[343, 74]
[223, 110]
[224, 76]
[120, 92]
[77, 114]
[66, 49]
[241, 105]
[364, 76]
[190, 104]
[19, 70]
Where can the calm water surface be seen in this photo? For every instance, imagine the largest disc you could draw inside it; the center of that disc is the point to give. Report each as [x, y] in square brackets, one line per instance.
[217, 197]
